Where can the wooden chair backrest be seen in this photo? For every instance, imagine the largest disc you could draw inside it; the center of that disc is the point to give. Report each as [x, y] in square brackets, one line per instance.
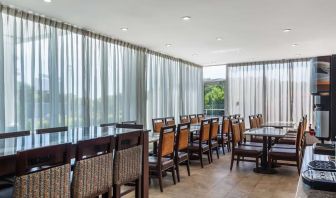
[200, 117]
[130, 126]
[167, 139]
[260, 119]
[205, 130]
[184, 119]
[253, 123]
[51, 130]
[214, 128]
[158, 123]
[182, 136]
[193, 119]
[236, 138]
[242, 127]
[94, 147]
[226, 125]
[170, 121]
[4, 135]
[128, 140]
[40, 159]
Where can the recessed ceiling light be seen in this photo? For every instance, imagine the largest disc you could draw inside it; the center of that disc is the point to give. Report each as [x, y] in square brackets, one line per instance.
[168, 45]
[218, 38]
[287, 30]
[186, 18]
[125, 29]
[294, 45]
[194, 54]
[47, 1]
[298, 54]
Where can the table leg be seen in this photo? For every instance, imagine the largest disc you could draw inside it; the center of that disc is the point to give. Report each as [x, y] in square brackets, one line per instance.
[145, 168]
[264, 169]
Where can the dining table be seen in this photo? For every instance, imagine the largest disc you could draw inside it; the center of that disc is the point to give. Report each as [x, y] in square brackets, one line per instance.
[267, 133]
[10, 146]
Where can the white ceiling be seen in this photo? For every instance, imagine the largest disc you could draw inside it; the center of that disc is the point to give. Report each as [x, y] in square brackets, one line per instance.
[251, 30]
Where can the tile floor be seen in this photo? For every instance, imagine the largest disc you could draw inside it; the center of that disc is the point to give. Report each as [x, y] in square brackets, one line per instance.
[216, 180]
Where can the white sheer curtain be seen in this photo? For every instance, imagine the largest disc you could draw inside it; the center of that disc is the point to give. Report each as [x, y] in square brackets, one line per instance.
[245, 89]
[191, 89]
[55, 75]
[174, 87]
[277, 89]
[163, 87]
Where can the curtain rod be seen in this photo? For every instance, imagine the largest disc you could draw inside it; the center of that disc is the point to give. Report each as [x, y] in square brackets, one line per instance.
[266, 62]
[63, 25]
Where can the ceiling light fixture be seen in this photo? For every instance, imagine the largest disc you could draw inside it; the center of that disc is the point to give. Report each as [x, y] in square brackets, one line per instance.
[218, 38]
[194, 54]
[186, 18]
[168, 45]
[287, 30]
[294, 45]
[47, 1]
[125, 29]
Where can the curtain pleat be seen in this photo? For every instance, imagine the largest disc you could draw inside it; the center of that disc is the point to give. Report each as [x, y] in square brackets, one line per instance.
[280, 90]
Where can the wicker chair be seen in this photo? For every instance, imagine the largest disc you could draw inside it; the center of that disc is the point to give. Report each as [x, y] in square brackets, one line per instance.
[181, 148]
[214, 145]
[92, 175]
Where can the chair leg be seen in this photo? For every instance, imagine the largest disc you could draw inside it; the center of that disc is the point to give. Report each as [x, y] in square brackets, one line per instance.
[188, 167]
[209, 156]
[173, 174]
[210, 152]
[178, 172]
[217, 151]
[257, 163]
[160, 181]
[201, 159]
[270, 161]
[298, 165]
[238, 157]
[116, 191]
[223, 148]
[232, 158]
[138, 188]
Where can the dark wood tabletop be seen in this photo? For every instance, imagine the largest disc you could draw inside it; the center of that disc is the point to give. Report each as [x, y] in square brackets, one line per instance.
[10, 146]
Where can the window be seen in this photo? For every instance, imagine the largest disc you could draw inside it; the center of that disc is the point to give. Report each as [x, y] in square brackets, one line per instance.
[214, 90]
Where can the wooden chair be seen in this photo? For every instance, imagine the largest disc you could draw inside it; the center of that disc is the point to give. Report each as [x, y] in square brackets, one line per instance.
[170, 121]
[51, 130]
[240, 150]
[200, 117]
[128, 163]
[45, 171]
[287, 154]
[92, 175]
[242, 129]
[253, 125]
[224, 136]
[181, 148]
[203, 144]
[184, 119]
[193, 119]
[214, 145]
[129, 122]
[165, 159]
[158, 123]
[130, 126]
[108, 124]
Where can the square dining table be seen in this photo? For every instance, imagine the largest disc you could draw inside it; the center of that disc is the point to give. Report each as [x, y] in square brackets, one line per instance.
[279, 125]
[267, 133]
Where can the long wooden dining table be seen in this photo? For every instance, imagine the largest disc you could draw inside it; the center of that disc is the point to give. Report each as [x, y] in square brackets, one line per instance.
[10, 146]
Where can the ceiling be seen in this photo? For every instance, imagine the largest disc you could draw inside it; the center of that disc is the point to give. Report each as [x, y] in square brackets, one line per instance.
[250, 30]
